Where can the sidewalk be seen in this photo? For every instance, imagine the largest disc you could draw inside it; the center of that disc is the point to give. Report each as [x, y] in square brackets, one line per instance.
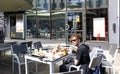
[103, 44]
[43, 41]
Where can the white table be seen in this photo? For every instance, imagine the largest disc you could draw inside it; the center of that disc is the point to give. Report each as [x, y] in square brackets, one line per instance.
[51, 63]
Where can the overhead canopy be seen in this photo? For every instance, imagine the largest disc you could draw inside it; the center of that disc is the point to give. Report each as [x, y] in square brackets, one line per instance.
[15, 5]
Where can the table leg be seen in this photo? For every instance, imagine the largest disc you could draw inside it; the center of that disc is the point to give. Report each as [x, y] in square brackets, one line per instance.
[51, 68]
[26, 66]
[12, 65]
[36, 67]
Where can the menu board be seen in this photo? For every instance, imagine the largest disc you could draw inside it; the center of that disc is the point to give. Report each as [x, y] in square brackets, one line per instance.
[99, 27]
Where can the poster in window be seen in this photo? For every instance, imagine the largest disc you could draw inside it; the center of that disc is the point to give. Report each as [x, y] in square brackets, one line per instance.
[19, 23]
[99, 27]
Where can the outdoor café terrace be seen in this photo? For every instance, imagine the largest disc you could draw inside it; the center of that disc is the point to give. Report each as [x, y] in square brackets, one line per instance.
[43, 68]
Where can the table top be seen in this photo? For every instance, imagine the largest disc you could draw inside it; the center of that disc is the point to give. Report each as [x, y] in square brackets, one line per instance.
[44, 59]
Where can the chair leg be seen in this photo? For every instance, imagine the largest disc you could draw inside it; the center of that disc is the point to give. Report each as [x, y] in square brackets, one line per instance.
[12, 66]
[70, 68]
[19, 67]
[111, 70]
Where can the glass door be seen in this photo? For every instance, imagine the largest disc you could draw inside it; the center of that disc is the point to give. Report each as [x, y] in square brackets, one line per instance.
[74, 24]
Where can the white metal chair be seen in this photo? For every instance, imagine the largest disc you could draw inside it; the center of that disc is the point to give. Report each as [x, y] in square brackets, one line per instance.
[110, 57]
[110, 63]
[92, 65]
[110, 53]
[18, 52]
[116, 65]
[80, 71]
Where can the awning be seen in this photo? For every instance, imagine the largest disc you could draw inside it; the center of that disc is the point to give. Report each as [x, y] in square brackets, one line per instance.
[15, 5]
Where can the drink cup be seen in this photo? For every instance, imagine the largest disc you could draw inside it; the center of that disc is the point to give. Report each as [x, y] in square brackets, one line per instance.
[36, 51]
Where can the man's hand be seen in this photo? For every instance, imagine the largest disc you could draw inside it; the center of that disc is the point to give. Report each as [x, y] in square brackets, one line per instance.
[75, 61]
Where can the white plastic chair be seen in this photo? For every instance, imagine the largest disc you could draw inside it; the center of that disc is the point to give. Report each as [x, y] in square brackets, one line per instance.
[110, 58]
[111, 53]
[18, 52]
[116, 64]
[92, 65]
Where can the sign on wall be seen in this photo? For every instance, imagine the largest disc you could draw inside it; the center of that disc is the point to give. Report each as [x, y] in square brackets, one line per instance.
[99, 27]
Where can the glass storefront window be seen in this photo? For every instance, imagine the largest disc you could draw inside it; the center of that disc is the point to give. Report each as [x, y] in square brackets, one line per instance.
[58, 24]
[42, 18]
[74, 23]
[75, 4]
[43, 27]
[57, 4]
[96, 13]
[96, 3]
[43, 4]
[74, 20]
[52, 16]
[62, 4]
[39, 27]
[38, 19]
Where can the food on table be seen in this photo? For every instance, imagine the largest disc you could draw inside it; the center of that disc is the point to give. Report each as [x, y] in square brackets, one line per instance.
[36, 51]
[52, 54]
[59, 50]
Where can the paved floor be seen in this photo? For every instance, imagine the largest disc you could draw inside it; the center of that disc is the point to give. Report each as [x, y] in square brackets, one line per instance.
[6, 69]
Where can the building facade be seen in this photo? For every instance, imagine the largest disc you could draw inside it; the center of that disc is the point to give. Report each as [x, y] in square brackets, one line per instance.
[61, 18]
[114, 22]
[58, 19]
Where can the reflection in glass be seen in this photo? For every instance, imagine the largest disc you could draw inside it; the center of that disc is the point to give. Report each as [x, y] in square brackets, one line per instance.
[43, 19]
[45, 5]
[53, 5]
[62, 5]
[58, 24]
[89, 4]
[75, 23]
[38, 3]
[96, 3]
[73, 4]
[74, 20]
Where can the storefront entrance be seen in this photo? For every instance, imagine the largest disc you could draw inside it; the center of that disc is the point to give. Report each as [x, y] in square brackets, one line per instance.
[75, 21]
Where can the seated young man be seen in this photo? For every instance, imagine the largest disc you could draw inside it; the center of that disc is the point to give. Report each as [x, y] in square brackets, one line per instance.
[82, 54]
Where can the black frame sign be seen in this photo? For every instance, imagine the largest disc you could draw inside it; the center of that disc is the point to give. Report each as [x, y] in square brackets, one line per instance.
[18, 30]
